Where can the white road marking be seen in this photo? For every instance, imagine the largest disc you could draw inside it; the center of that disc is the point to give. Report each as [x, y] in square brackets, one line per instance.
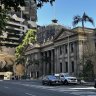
[64, 90]
[30, 94]
[84, 93]
[84, 88]
[91, 95]
[74, 91]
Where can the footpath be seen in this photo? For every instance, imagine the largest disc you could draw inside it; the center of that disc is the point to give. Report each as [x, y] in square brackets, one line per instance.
[86, 83]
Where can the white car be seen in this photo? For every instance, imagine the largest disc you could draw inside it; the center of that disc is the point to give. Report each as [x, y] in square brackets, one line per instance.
[67, 79]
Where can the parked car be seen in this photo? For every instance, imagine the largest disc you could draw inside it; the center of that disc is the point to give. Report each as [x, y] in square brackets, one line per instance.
[67, 79]
[50, 80]
[95, 83]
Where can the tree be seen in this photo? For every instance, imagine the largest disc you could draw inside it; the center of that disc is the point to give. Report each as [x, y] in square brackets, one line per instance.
[20, 70]
[15, 3]
[30, 37]
[88, 72]
[7, 5]
[3, 19]
[83, 19]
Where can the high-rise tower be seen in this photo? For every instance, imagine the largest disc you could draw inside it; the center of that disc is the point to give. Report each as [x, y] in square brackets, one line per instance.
[16, 27]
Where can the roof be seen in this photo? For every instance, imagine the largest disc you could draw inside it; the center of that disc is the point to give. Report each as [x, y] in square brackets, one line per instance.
[64, 30]
[46, 33]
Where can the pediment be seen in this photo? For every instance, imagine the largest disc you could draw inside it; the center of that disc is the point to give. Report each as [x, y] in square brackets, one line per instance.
[31, 46]
[28, 48]
[64, 34]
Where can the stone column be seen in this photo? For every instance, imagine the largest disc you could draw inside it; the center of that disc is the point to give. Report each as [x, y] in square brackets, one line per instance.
[44, 63]
[75, 59]
[68, 55]
[55, 51]
[52, 62]
[80, 51]
[40, 69]
[47, 63]
[63, 59]
[57, 60]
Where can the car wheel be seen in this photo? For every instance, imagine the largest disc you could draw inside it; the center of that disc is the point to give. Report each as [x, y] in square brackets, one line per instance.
[66, 82]
[75, 83]
[95, 85]
[43, 83]
[50, 83]
[63, 82]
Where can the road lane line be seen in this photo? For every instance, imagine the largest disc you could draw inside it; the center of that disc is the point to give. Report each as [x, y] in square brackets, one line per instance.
[30, 94]
[83, 88]
[91, 95]
[83, 93]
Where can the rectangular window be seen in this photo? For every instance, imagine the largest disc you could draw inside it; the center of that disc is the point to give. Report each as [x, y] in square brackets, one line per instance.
[95, 45]
[66, 64]
[72, 48]
[36, 56]
[60, 50]
[72, 66]
[60, 67]
[66, 50]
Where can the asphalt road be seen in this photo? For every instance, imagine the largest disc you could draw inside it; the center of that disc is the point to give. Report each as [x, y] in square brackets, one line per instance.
[35, 88]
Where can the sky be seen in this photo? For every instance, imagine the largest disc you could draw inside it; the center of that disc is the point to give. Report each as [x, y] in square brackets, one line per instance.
[65, 10]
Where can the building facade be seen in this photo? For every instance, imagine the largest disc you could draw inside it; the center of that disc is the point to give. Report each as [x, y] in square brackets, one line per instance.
[18, 24]
[57, 50]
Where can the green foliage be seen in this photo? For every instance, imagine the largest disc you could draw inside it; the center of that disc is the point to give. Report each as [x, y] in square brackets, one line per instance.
[83, 19]
[15, 3]
[3, 19]
[41, 2]
[7, 5]
[20, 60]
[88, 72]
[19, 50]
[30, 37]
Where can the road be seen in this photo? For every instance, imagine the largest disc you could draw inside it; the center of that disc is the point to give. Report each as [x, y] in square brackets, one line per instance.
[35, 88]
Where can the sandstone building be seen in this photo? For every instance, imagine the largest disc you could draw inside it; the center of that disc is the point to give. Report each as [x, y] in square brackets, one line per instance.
[58, 49]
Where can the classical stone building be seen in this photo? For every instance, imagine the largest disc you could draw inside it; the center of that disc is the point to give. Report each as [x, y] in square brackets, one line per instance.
[58, 49]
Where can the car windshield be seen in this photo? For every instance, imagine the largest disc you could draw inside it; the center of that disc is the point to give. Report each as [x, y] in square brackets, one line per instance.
[58, 77]
[51, 77]
[65, 75]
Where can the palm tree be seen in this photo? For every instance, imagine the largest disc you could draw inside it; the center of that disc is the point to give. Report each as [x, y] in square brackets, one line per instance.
[83, 19]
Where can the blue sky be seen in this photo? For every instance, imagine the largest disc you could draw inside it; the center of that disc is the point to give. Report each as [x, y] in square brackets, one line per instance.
[65, 10]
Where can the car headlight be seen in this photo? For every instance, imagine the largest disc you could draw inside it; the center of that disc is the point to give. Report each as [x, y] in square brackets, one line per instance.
[53, 80]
